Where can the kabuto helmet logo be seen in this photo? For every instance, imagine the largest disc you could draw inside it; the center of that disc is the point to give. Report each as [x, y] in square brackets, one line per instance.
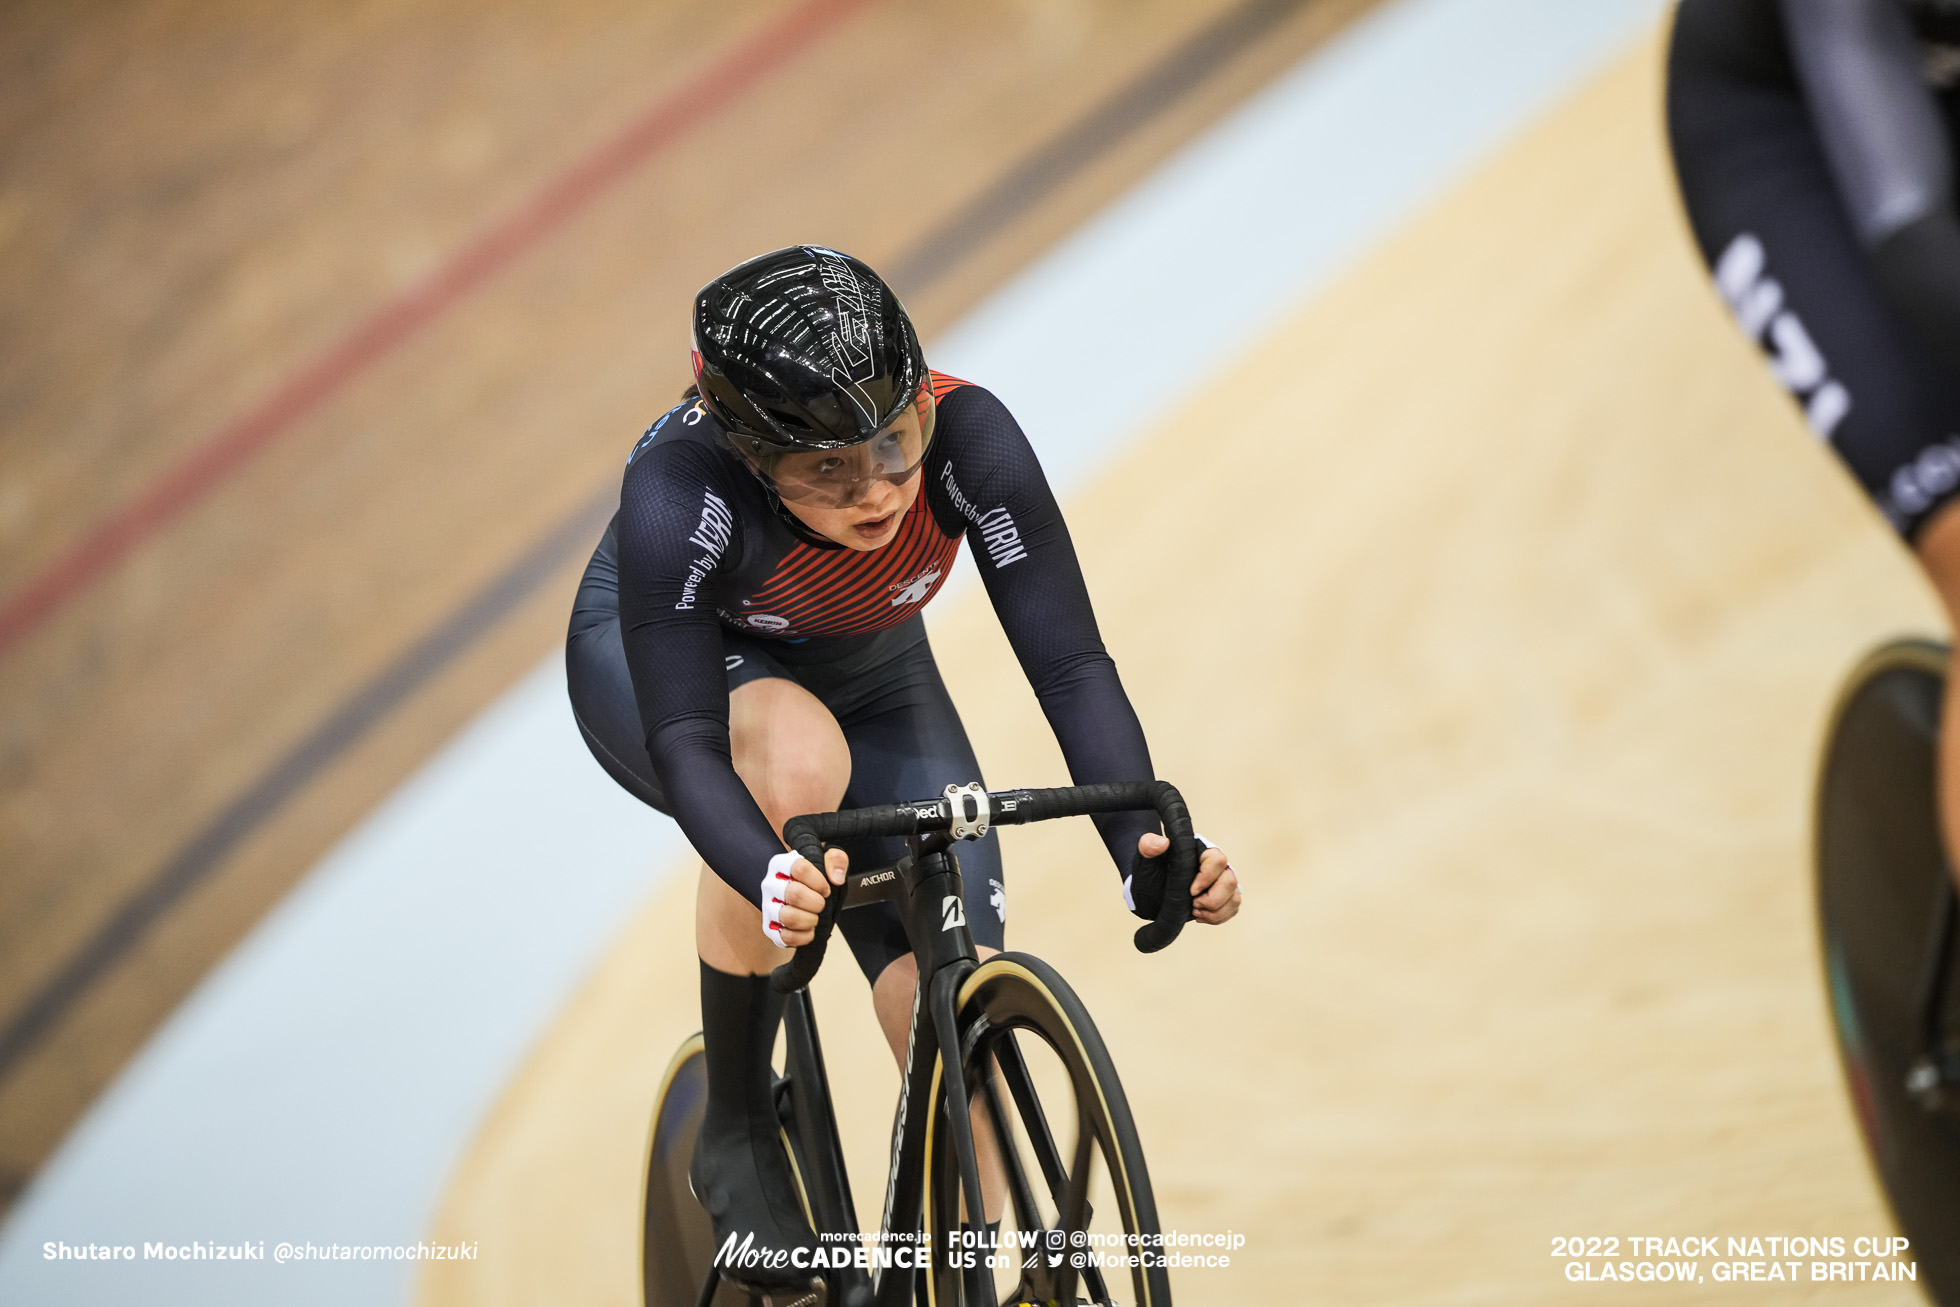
[803, 348]
[852, 361]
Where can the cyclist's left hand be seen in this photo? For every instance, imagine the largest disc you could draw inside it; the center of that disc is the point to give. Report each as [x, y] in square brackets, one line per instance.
[1215, 893]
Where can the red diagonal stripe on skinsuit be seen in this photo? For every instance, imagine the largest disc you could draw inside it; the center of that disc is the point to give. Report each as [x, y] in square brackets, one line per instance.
[817, 600]
[892, 614]
[819, 593]
[861, 600]
[397, 319]
[944, 384]
[808, 575]
[856, 599]
[795, 582]
[878, 611]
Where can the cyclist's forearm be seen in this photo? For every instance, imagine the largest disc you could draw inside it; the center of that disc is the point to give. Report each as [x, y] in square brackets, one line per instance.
[1101, 740]
[710, 802]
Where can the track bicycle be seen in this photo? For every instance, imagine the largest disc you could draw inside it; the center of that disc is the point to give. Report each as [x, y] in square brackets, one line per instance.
[1078, 1200]
[1887, 919]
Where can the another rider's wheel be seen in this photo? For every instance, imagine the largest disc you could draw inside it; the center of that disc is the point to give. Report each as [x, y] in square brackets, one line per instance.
[1074, 1168]
[1885, 911]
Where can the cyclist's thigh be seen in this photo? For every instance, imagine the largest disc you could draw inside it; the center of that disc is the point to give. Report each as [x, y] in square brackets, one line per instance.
[1769, 223]
[907, 742]
[786, 746]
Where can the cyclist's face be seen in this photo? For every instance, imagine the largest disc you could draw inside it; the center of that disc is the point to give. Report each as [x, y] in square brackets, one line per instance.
[870, 523]
[858, 496]
[843, 478]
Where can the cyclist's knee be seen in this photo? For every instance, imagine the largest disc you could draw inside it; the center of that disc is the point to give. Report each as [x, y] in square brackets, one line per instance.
[787, 749]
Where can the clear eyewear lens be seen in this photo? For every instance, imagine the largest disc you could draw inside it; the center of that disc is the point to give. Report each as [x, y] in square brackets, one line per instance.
[842, 478]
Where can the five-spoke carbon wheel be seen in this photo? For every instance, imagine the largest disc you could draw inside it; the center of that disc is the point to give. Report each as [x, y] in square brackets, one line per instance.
[1078, 1220]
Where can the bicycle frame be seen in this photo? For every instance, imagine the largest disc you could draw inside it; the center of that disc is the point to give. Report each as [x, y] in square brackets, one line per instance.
[927, 891]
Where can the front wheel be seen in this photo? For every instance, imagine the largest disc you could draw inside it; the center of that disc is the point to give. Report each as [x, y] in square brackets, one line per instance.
[1077, 1211]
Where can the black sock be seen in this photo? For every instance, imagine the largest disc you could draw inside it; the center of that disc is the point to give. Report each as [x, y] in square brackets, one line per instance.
[740, 1173]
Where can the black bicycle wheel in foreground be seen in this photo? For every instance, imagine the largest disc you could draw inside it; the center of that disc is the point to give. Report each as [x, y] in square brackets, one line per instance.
[1077, 1186]
[1885, 911]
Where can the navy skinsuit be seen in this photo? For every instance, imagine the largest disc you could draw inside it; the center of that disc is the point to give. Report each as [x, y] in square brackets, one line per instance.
[703, 583]
[1815, 145]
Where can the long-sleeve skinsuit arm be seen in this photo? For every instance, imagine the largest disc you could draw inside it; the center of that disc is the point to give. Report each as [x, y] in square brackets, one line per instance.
[674, 529]
[1028, 564]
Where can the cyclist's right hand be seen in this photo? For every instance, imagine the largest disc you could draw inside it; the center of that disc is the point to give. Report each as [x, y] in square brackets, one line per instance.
[793, 893]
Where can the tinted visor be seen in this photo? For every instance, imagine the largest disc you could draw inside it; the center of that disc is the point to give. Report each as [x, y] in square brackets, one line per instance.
[840, 478]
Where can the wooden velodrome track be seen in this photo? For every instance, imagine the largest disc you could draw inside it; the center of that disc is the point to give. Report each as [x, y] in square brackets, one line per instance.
[1503, 678]
[238, 224]
[1503, 683]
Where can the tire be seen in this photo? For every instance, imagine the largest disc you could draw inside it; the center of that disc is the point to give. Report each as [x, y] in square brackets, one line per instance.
[1032, 1058]
[1880, 873]
[677, 1241]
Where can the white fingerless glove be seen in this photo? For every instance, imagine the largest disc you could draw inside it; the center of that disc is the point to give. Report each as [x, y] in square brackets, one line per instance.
[773, 882]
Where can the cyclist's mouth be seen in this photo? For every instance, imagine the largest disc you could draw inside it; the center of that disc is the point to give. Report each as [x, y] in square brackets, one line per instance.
[876, 528]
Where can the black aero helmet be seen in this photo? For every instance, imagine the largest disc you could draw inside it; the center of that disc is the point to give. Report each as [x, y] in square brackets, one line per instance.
[804, 349]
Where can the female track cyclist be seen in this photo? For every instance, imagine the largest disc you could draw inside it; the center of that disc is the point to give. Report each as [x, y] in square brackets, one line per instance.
[1815, 141]
[746, 646]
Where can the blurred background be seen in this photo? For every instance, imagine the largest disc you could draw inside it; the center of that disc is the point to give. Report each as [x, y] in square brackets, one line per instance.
[1393, 451]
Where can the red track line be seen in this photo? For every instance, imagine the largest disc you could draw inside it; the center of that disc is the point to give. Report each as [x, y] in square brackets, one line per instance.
[399, 318]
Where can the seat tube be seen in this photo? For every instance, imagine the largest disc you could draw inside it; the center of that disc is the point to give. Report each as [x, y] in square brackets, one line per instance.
[816, 1118]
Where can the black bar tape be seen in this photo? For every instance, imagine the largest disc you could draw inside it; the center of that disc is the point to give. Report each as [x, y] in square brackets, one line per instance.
[801, 834]
[1185, 851]
[808, 835]
[1018, 807]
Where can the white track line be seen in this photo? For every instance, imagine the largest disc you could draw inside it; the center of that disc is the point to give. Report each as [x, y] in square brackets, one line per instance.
[324, 1079]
